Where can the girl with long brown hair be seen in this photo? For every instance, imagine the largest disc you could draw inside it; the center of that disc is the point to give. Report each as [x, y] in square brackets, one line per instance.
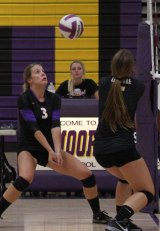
[114, 145]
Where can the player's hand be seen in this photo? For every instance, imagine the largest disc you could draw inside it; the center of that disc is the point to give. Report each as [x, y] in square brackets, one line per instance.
[55, 157]
[59, 158]
[52, 157]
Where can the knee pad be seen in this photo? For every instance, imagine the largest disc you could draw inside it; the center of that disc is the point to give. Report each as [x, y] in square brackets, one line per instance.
[123, 181]
[149, 196]
[21, 184]
[89, 182]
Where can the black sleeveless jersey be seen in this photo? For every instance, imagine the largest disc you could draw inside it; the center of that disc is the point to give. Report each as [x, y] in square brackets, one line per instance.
[34, 115]
[107, 141]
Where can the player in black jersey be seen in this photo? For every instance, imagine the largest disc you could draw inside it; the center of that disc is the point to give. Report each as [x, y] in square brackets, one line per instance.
[39, 142]
[114, 145]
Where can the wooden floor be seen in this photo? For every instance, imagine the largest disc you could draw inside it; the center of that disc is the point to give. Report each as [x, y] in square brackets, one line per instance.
[59, 214]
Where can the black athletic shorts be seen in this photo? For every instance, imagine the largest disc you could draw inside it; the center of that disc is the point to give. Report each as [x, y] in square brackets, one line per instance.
[40, 156]
[117, 159]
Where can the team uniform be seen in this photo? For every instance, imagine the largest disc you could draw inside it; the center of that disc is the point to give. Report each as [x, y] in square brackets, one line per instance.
[88, 87]
[117, 149]
[33, 116]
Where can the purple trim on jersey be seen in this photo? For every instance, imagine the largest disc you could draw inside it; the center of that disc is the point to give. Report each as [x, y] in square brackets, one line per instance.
[66, 29]
[56, 115]
[69, 16]
[28, 115]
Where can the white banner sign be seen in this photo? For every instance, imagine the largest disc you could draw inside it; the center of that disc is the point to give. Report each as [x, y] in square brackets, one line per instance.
[77, 139]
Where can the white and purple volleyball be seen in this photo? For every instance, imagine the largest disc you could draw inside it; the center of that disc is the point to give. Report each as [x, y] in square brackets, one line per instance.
[71, 26]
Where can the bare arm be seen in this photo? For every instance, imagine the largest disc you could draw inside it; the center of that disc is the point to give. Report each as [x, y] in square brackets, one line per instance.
[56, 136]
[96, 95]
[42, 140]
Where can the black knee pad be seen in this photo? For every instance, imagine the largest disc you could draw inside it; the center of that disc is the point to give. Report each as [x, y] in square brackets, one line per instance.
[21, 184]
[149, 196]
[89, 182]
[123, 181]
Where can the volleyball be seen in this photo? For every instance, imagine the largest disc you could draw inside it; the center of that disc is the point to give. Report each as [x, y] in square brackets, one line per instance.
[71, 26]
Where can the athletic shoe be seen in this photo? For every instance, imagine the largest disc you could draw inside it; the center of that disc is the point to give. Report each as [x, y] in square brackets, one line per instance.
[114, 225]
[133, 227]
[101, 217]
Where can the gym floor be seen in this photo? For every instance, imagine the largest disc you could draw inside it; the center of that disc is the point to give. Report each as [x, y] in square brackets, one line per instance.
[62, 215]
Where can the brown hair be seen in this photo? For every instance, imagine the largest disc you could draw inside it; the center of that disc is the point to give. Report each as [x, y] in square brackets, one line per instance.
[27, 75]
[116, 113]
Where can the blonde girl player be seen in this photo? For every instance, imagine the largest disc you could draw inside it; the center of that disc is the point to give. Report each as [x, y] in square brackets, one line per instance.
[39, 142]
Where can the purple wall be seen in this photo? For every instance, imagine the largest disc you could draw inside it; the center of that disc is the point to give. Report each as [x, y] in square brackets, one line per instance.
[32, 44]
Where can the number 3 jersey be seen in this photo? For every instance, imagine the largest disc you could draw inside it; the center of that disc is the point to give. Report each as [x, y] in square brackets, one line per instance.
[34, 115]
